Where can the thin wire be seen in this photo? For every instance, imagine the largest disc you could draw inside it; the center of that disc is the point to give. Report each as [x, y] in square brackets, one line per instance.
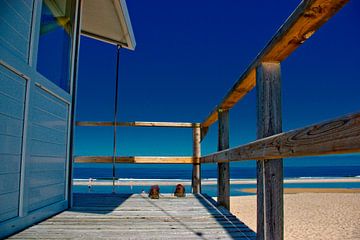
[115, 116]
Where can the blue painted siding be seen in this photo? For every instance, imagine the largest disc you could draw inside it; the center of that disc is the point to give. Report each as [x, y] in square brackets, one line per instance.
[11, 208]
[47, 172]
[12, 163]
[12, 100]
[46, 163]
[46, 178]
[9, 182]
[40, 182]
[15, 26]
[48, 195]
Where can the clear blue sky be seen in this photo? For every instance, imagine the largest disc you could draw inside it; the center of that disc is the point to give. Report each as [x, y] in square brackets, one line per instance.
[189, 53]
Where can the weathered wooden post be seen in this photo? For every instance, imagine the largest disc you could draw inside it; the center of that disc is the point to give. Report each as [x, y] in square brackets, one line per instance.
[223, 182]
[196, 174]
[270, 223]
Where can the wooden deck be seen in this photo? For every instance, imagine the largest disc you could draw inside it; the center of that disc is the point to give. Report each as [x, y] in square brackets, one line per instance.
[135, 216]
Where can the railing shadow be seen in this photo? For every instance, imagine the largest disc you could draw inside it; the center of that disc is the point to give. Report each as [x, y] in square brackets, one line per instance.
[235, 228]
[98, 203]
[226, 223]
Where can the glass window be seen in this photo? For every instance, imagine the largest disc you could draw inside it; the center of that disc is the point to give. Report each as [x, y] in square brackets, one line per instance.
[54, 50]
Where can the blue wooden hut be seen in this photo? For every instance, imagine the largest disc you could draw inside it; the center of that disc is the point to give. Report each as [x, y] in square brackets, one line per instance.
[39, 44]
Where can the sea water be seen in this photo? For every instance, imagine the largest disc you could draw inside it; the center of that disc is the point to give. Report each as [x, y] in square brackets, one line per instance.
[179, 173]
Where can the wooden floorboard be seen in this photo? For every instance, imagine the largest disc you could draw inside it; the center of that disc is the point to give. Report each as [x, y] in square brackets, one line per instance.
[135, 216]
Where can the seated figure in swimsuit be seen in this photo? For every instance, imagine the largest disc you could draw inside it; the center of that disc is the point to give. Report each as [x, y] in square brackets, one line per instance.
[179, 191]
[154, 192]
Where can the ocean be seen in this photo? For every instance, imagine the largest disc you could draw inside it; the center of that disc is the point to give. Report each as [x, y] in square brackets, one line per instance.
[176, 172]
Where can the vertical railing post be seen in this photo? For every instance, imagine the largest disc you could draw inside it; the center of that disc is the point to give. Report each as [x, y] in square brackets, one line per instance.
[270, 172]
[196, 177]
[223, 182]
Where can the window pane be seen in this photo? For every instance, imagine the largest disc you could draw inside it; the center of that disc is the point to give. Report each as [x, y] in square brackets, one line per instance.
[55, 42]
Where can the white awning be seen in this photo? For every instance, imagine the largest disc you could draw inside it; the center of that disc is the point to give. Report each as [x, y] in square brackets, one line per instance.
[108, 21]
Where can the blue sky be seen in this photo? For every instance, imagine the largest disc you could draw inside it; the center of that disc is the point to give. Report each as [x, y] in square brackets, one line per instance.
[189, 53]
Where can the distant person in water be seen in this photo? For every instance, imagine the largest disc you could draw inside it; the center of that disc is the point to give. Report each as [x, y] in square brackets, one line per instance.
[180, 191]
[90, 182]
[154, 192]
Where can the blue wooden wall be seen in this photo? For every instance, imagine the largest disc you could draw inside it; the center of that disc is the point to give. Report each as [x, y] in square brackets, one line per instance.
[15, 21]
[12, 99]
[34, 125]
[48, 153]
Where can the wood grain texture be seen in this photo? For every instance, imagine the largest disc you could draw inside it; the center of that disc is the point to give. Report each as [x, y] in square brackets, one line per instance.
[138, 124]
[307, 18]
[196, 173]
[223, 182]
[135, 216]
[270, 201]
[259, 200]
[204, 131]
[134, 159]
[338, 136]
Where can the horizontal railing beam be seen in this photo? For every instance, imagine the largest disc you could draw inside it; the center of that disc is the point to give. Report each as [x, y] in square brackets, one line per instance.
[337, 136]
[308, 17]
[135, 159]
[138, 124]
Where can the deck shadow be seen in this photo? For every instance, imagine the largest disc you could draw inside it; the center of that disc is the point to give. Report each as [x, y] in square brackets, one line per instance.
[229, 221]
[166, 210]
[98, 203]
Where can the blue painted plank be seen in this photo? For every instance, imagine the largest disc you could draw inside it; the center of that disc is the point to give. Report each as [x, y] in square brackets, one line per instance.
[13, 40]
[11, 200]
[11, 107]
[50, 104]
[21, 8]
[15, 27]
[38, 163]
[50, 121]
[8, 215]
[12, 85]
[44, 196]
[47, 149]
[5, 47]
[10, 126]
[9, 163]
[29, 3]
[6, 72]
[13, 17]
[48, 135]
[10, 145]
[13, 35]
[46, 178]
[53, 98]
[9, 182]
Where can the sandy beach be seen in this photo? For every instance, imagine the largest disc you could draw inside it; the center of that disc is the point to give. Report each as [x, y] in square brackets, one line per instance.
[326, 216]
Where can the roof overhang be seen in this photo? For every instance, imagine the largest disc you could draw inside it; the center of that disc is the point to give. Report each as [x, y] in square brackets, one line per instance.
[108, 21]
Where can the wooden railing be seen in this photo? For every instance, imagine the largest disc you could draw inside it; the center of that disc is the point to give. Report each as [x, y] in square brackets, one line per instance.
[195, 159]
[135, 159]
[337, 136]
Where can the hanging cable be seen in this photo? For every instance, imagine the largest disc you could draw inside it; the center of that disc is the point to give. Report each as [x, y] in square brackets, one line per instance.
[115, 115]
